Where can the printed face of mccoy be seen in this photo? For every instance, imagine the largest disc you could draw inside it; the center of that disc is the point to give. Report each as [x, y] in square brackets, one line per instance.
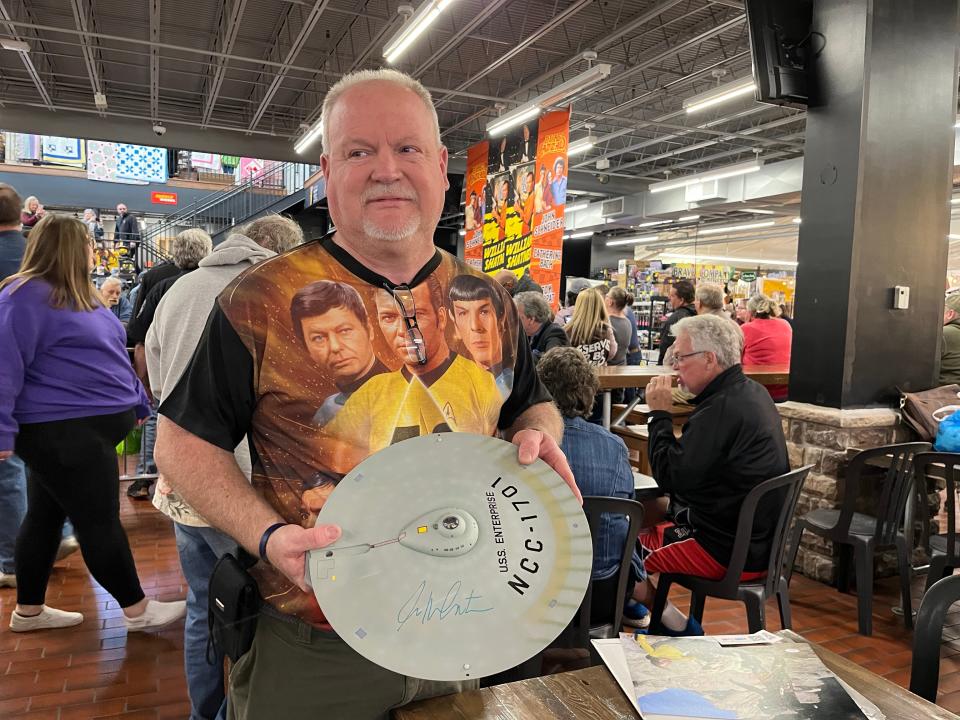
[431, 322]
[477, 326]
[339, 342]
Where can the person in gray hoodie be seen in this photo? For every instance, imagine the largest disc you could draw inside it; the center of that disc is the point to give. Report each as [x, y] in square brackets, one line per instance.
[173, 336]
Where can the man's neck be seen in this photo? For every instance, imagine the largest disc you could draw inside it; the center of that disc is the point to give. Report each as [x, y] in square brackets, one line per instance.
[397, 261]
[16, 228]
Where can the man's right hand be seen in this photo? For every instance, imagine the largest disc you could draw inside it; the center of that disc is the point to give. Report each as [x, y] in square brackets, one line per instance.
[5, 455]
[288, 546]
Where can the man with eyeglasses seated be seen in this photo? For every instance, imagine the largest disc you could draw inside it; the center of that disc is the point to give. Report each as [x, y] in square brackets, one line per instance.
[732, 442]
[386, 175]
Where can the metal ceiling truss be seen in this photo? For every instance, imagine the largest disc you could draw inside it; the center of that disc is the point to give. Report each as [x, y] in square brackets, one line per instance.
[261, 67]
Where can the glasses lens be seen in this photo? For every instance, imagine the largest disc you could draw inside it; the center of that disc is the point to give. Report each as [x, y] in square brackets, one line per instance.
[404, 297]
[416, 347]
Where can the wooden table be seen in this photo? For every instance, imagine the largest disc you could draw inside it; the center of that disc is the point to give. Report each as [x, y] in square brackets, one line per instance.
[593, 694]
[637, 376]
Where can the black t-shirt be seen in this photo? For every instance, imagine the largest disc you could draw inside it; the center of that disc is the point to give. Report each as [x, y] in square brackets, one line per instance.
[150, 278]
[140, 323]
[255, 373]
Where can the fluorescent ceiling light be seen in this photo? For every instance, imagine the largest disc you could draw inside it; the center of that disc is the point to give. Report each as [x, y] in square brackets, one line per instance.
[725, 258]
[18, 45]
[581, 146]
[584, 234]
[797, 221]
[311, 135]
[633, 240]
[688, 218]
[577, 206]
[512, 119]
[759, 211]
[413, 28]
[718, 174]
[651, 223]
[718, 95]
[737, 228]
[554, 96]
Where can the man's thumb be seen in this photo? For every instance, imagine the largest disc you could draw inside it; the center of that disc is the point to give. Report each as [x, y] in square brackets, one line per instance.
[324, 535]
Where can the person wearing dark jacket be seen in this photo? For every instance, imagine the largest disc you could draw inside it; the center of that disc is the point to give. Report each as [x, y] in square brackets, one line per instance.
[12, 242]
[127, 229]
[681, 298]
[732, 442]
[537, 320]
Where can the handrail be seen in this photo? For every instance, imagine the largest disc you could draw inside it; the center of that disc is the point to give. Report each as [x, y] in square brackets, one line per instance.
[224, 208]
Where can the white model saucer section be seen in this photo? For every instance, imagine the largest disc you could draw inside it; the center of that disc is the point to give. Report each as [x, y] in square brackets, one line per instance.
[455, 561]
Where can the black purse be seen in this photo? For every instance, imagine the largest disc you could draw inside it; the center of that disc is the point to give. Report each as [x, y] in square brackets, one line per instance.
[233, 607]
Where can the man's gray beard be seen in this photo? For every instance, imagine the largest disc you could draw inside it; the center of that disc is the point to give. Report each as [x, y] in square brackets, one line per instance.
[394, 234]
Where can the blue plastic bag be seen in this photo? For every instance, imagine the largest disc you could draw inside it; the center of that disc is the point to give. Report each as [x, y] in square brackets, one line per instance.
[948, 430]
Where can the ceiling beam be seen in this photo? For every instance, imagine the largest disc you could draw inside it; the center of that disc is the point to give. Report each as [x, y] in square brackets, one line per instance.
[25, 57]
[82, 17]
[229, 28]
[155, 60]
[305, 29]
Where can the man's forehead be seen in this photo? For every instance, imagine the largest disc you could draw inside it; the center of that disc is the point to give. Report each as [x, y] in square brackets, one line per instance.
[470, 304]
[335, 316]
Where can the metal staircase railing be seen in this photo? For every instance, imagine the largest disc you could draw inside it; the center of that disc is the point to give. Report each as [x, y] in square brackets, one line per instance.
[226, 208]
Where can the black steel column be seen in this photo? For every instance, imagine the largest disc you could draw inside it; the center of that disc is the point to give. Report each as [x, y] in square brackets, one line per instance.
[877, 178]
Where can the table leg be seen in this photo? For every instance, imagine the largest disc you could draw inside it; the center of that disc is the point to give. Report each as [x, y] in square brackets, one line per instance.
[606, 409]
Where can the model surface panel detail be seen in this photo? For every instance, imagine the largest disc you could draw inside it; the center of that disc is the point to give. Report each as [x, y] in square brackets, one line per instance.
[487, 577]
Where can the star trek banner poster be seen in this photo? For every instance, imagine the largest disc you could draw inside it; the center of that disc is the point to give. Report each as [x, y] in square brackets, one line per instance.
[476, 200]
[523, 178]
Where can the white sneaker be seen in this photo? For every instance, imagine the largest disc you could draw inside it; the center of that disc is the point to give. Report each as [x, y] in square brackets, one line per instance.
[68, 546]
[48, 619]
[157, 615]
[8, 580]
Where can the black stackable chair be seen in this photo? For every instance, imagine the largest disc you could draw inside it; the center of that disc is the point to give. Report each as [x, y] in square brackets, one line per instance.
[862, 535]
[753, 594]
[925, 669]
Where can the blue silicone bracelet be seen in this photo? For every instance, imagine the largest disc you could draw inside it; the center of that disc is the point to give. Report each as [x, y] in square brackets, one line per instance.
[266, 536]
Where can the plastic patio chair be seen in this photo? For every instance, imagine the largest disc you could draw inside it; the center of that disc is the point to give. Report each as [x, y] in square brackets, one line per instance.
[864, 534]
[754, 593]
[944, 548]
[927, 637]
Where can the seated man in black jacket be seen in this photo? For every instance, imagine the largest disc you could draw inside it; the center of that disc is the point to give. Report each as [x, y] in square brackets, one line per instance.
[732, 442]
[537, 320]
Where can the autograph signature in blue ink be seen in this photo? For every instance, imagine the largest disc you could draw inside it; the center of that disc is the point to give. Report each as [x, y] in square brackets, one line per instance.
[430, 609]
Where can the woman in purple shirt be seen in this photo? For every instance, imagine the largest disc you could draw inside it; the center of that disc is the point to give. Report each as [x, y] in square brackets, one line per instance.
[68, 395]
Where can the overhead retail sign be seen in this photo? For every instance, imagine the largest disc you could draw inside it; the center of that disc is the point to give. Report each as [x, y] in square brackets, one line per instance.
[163, 198]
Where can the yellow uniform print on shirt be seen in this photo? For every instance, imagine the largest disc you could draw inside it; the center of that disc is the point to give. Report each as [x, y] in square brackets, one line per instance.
[458, 396]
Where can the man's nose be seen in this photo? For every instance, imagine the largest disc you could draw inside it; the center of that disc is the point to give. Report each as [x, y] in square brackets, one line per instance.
[386, 168]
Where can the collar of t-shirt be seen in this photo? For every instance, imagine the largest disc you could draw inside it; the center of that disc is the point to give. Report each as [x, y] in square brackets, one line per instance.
[348, 261]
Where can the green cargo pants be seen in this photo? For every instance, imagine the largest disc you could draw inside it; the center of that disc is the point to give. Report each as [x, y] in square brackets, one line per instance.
[293, 670]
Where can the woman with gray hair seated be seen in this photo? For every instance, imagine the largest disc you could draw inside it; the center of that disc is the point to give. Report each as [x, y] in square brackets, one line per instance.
[767, 339]
[598, 460]
[537, 320]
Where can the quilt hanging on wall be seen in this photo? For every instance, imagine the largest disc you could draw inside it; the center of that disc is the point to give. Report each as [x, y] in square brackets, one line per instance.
[142, 162]
[63, 151]
[102, 163]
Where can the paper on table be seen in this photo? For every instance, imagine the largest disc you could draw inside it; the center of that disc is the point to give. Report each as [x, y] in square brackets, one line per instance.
[611, 652]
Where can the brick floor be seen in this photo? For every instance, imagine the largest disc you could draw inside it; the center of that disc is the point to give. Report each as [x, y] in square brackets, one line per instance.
[96, 671]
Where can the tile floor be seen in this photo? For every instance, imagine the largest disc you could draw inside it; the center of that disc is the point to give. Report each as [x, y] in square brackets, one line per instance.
[95, 671]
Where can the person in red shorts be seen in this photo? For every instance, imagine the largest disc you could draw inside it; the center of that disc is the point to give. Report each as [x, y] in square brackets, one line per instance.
[732, 442]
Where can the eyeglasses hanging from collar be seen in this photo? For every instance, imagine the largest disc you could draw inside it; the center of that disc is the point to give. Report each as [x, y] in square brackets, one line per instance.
[403, 296]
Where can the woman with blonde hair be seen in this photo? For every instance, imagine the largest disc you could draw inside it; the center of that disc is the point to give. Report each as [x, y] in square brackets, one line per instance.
[32, 212]
[69, 396]
[590, 330]
[767, 339]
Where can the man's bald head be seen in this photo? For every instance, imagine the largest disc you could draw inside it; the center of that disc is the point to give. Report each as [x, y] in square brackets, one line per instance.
[508, 279]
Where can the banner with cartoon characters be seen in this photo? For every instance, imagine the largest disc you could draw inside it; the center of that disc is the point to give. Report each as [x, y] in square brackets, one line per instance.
[518, 186]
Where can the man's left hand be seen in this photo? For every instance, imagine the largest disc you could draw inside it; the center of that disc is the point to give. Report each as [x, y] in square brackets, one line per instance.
[535, 444]
[659, 393]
